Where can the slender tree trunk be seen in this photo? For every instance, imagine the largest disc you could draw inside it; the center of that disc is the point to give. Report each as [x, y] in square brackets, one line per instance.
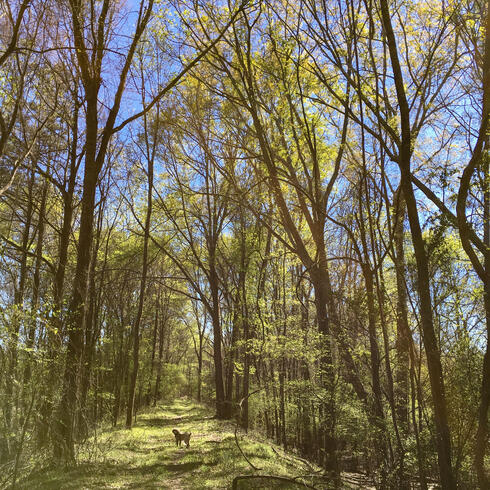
[378, 418]
[89, 346]
[117, 385]
[161, 343]
[246, 367]
[403, 336]
[66, 227]
[443, 437]
[55, 334]
[416, 393]
[230, 361]
[402, 478]
[483, 159]
[153, 352]
[221, 410]
[199, 369]
[402, 327]
[282, 439]
[11, 399]
[36, 284]
[482, 430]
[137, 323]
[304, 372]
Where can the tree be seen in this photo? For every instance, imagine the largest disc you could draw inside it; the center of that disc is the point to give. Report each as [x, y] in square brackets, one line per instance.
[89, 64]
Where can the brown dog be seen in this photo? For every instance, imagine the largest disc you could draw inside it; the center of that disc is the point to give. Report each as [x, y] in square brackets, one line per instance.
[181, 436]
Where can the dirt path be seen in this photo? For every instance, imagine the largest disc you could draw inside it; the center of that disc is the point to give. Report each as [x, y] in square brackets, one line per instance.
[146, 457]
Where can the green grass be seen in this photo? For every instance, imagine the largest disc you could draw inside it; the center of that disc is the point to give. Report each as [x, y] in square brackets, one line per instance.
[147, 457]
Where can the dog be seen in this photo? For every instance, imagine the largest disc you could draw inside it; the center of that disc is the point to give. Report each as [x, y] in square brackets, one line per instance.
[182, 436]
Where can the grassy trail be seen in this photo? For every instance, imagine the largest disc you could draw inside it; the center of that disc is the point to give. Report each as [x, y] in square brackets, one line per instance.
[146, 457]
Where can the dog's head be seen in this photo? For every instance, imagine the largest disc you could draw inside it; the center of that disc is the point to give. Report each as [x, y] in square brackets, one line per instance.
[176, 432]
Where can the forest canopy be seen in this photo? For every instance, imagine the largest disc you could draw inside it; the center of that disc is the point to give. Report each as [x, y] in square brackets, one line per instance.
[277, 208]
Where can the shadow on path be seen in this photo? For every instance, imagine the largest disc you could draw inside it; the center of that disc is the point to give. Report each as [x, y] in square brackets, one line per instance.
[182, 467]
[169, 422]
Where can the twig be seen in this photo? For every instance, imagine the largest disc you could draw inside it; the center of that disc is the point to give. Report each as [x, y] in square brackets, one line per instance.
[22, 438]
[236, 431]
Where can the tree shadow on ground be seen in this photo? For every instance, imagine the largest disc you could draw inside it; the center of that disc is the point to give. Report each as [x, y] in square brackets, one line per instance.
[170, 422]
[147, 458]
[182, 467]
[97, 475]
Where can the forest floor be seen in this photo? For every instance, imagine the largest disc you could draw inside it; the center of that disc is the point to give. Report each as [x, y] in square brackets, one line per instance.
[146, 457]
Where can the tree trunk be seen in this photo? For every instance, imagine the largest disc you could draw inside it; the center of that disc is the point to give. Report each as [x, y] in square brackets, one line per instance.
[402, 327]
[230, 361]
[222, 411]
[482, 430]
[199, 370]
[244, 422]
[36, 284]
[68, 407]
[11, 400]
[443, 437]
[327, 371]
[161, 342]
[153, 351]
[137, 323]
[89, 347]
[55, 334]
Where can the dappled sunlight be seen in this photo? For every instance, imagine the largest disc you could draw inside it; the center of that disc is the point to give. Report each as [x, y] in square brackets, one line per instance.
[147, 457]
[277, 209]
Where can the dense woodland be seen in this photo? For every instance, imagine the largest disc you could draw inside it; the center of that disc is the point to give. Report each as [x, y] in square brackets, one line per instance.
[279, 208]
